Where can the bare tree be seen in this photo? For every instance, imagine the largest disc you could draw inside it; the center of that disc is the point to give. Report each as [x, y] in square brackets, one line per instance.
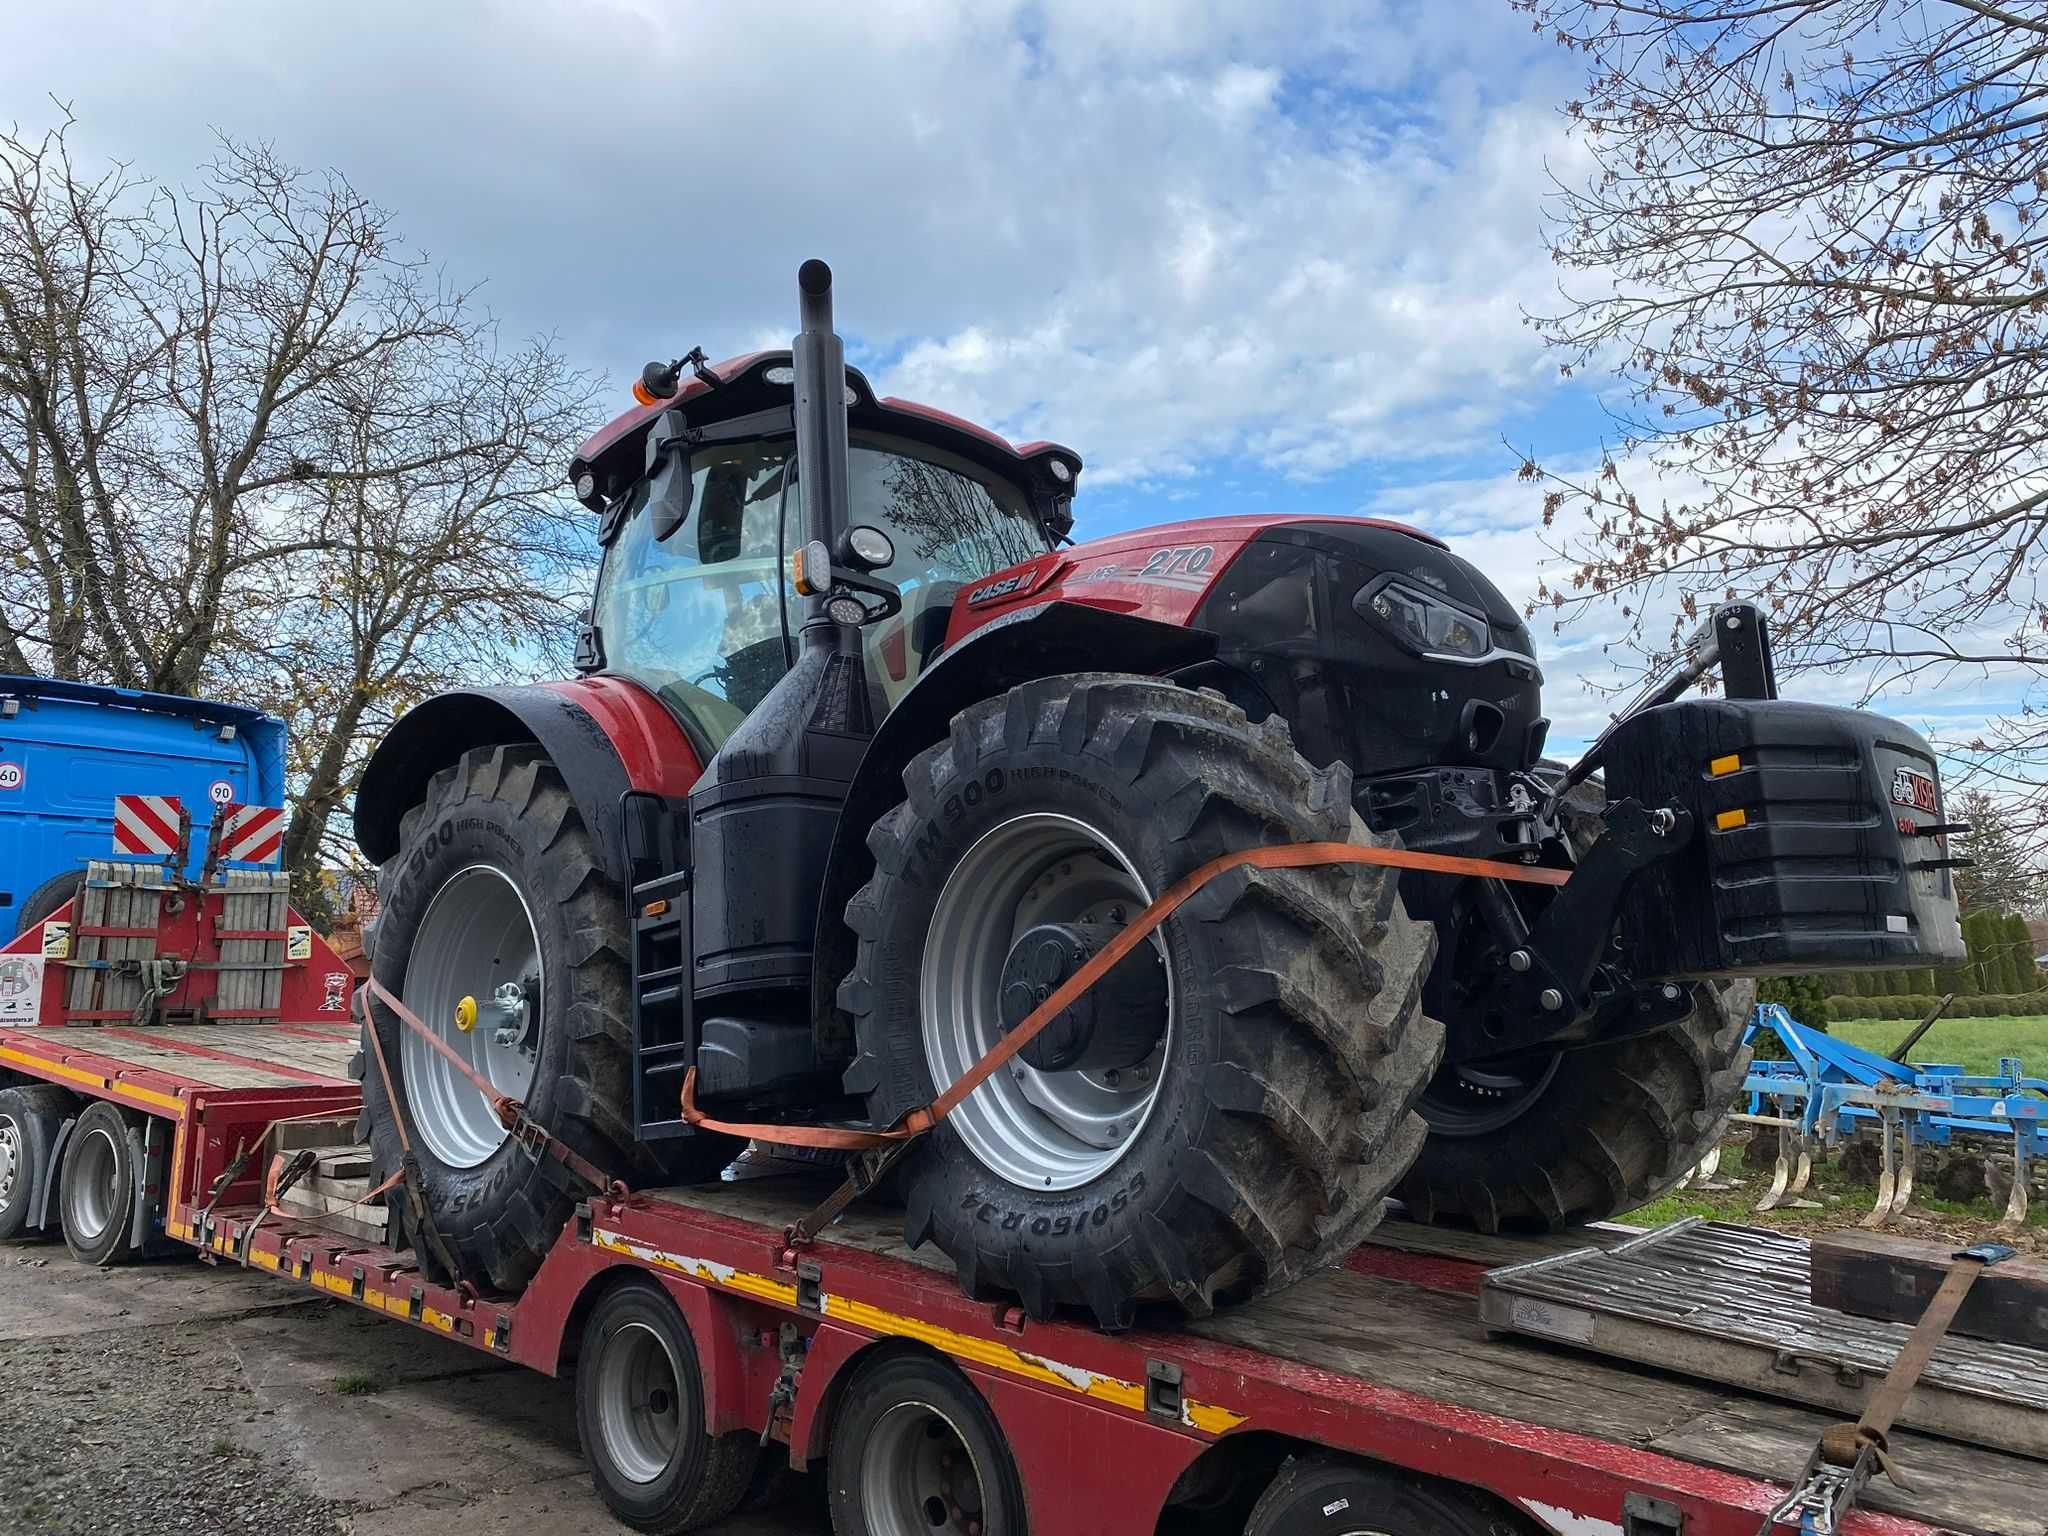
[1811, 242]
[252, 445]
[445, 573]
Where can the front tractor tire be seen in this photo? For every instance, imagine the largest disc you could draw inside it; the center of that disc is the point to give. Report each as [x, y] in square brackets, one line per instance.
[501, 930]
[1557, 1139]
[1233, 1113]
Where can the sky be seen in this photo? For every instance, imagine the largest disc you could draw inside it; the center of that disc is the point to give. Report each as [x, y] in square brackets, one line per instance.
[1262, 257]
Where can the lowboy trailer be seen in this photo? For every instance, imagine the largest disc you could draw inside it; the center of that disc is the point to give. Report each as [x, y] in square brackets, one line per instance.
[706, 1347]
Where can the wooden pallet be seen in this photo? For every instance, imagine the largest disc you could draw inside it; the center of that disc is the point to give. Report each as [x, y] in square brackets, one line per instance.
[1732, 1304]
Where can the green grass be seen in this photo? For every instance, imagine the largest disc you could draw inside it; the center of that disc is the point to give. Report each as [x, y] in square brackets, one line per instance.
[1974, 1044]
[357, 1386]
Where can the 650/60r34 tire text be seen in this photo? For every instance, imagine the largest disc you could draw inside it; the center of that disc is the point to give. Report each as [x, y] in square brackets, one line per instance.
[1227, 1109]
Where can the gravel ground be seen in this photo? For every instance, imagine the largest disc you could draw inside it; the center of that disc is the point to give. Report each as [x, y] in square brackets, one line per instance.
[111, 1432]
[173, 1396]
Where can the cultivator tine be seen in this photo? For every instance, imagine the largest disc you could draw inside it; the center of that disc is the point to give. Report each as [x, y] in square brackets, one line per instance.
[1781, 1176]
[1895, 1178]
[2016, 1203]
[1702, 1175]
[1802, 1175]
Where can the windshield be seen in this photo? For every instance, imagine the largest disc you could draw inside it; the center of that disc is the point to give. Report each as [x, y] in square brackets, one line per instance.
[704, 617]
[951, 524]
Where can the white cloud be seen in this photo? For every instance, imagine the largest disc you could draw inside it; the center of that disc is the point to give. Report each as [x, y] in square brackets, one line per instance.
[1159, 230]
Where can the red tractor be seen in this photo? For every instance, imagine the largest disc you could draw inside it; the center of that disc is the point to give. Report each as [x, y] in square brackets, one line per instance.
[867, 757]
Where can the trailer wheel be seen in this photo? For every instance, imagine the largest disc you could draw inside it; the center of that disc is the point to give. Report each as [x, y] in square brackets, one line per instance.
[1325, 1495]
[915, 1450]
[96, 1195]
[640, 1412]
[30, 1118]
[1228, 1108]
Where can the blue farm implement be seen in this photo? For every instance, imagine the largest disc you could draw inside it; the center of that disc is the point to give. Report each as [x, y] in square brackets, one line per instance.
[1826, 1090]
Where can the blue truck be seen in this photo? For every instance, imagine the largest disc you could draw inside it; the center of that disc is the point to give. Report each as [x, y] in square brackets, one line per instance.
[67, 749]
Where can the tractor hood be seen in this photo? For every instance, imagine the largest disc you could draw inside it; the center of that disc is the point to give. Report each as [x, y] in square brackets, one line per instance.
[1376, 642]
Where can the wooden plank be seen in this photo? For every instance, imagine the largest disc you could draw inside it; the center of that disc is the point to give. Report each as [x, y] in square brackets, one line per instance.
[1956, 1487]
[201, 1071]
[1873, 1274]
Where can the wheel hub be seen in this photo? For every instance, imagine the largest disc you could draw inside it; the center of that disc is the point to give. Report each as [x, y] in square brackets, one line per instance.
[10, 1159]
[919, 1477]
[1024, 906]
[1115, 1024]
[637, 1402]
[474, 975]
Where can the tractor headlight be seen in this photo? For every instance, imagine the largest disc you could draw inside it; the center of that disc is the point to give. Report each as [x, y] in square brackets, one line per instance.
[1424, 621]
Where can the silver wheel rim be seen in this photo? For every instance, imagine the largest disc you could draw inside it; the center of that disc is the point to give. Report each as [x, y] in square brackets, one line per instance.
[1038, 1130]
[918, 1476]
[639, 1402]
[10, 1158]
[476, 940]
[92, 1170]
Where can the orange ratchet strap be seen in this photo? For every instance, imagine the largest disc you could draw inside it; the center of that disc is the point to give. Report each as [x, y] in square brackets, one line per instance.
[1290, 856]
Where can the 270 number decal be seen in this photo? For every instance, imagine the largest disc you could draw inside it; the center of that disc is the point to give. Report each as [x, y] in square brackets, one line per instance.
[1184, 559]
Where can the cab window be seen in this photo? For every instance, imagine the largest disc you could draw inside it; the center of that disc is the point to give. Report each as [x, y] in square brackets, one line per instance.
[701, 617]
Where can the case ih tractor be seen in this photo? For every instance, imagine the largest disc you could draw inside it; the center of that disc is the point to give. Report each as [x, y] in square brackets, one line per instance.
[866, 757]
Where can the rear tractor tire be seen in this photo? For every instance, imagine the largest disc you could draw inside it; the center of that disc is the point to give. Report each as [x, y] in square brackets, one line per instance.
[1231, 1111]
[501, 930]
[1557, 1139]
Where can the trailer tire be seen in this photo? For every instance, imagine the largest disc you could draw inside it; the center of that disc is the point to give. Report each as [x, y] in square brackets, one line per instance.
[1275, 1110]
[1609, 1128]
[505, 811]
[899, 1437]
[641, 1416]
[30, 1118]
[96, 1187]
[48, 897]
[1329, 1495]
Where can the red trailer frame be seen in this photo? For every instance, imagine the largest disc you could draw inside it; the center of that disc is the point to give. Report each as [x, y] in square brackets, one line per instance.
[1102, 1427]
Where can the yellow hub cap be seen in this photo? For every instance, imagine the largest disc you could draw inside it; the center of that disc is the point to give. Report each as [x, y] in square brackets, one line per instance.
[465, 1015]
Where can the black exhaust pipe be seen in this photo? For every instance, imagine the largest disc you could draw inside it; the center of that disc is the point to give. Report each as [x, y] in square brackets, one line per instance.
[823, 482]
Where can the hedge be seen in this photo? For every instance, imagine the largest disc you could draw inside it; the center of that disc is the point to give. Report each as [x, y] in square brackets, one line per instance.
[2012, 1005]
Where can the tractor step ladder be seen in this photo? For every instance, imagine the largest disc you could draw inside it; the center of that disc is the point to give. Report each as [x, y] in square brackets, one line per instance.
[662, 1045]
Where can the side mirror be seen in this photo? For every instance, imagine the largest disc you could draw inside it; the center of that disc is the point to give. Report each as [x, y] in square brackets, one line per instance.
[672, 490]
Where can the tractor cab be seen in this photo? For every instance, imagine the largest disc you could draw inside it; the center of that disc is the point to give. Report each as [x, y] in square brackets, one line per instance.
[699, 506]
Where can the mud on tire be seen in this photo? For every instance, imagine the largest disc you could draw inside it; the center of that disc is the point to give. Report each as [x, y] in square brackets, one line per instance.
[1612, 1128]
[507, 807]
[1297, 1042]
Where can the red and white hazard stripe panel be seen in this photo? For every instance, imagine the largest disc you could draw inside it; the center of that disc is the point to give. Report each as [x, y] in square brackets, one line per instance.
[147, 825]
[251, 834]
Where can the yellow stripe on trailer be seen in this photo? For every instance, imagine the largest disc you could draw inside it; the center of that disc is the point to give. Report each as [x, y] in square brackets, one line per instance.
[113, 1087]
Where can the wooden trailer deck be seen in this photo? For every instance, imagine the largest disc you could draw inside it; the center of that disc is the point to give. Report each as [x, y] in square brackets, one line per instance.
[161, 1066]
[1404, 1314]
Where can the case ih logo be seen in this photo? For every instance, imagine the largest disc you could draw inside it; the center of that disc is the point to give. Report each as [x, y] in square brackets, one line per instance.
[1003, 588]
[1916, 790]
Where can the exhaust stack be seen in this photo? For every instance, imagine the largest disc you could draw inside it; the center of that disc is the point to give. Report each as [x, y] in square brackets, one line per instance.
[823, 482]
